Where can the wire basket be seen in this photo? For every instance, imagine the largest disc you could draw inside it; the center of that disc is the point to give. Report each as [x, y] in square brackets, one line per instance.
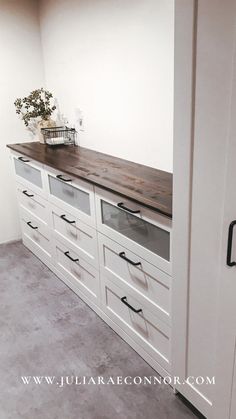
[59, 136]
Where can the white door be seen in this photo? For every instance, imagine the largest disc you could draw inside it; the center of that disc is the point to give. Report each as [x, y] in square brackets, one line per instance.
[224, 406]
[199, 190]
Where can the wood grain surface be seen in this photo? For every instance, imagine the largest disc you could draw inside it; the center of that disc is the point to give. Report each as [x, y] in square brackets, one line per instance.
[142, 184]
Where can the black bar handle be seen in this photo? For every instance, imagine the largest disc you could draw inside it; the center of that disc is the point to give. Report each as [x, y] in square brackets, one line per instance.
[122, 256]
[23, 159]
[27, 194]
[230, 242]
[67, 254]
[121, 205]
[62, 178]
[124, 301]
[65, 219]
[30, 225]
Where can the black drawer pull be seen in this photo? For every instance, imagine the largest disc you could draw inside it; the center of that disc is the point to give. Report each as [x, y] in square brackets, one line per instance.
[121, 205]
[124, 301]
[122, 256]
[27, 194]
[230, 241]
[23, 159]
[67, 254]
[30, 225]
[62, 178]
[65, 219]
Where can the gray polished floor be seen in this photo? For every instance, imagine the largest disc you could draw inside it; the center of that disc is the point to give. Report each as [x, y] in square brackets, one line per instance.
[46, 330]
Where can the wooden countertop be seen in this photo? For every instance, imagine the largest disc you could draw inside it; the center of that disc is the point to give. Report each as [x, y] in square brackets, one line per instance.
[142, 184]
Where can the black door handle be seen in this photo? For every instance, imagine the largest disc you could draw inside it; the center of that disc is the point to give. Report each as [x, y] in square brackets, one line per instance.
[30, 225]
[27, 194]
[23, 159]
[122, 256]
[65, 219]
[121, 205]
[124, 301]
[230, 242]
[67, 254]
[62, 178]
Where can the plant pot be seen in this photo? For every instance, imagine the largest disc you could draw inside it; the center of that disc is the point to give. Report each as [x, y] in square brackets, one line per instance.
[44, 123]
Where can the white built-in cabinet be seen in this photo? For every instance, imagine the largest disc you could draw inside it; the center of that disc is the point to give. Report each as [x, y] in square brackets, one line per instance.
[114, 253]
[203, 287]
[224, 398]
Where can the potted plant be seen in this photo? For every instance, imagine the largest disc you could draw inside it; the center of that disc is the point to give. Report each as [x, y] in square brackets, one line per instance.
[35, 110]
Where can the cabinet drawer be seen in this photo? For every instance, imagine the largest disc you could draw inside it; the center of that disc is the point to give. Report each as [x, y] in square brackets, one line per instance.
[73, 195]
[144, 327]
[78, 273]
[128, 270]
[29, 173]
[145, 232]
[33, 202]
[37, 234]
[76, 234]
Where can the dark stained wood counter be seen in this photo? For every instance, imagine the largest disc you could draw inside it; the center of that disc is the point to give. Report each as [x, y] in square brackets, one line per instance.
[142, 184]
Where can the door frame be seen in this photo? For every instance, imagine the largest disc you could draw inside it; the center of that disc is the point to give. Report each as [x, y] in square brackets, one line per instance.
[184, 106]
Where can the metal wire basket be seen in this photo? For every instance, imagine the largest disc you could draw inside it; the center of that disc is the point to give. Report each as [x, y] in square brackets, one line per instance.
[59, 136]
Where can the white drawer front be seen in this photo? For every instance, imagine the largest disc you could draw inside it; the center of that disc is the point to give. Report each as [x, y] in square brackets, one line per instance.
[117, 263]
[30, 173]
[33, 202]
[144, 232]
[145, 328]
[75, 196]
[78, 272]
[37, 234]
[73, 232]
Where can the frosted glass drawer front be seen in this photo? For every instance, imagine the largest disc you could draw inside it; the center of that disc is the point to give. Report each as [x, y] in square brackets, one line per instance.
[147, 235]
[33, 202]
[77, 272]
[75, 196]
[69, 194]
[138, 276]
[138, 322]
[75, 233]
[142, 231]
[26, 171]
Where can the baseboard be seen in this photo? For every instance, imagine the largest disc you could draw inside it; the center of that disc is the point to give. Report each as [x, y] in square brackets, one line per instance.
[11, 241]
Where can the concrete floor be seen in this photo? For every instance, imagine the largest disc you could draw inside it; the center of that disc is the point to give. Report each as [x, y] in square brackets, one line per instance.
[47, 330]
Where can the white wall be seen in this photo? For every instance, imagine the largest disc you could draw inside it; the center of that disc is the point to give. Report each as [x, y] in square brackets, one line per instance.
[21, 70]
[114, 60]
[111, 58]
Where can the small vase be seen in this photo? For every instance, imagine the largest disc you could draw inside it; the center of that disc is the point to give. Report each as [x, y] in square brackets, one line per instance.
[44, 123]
